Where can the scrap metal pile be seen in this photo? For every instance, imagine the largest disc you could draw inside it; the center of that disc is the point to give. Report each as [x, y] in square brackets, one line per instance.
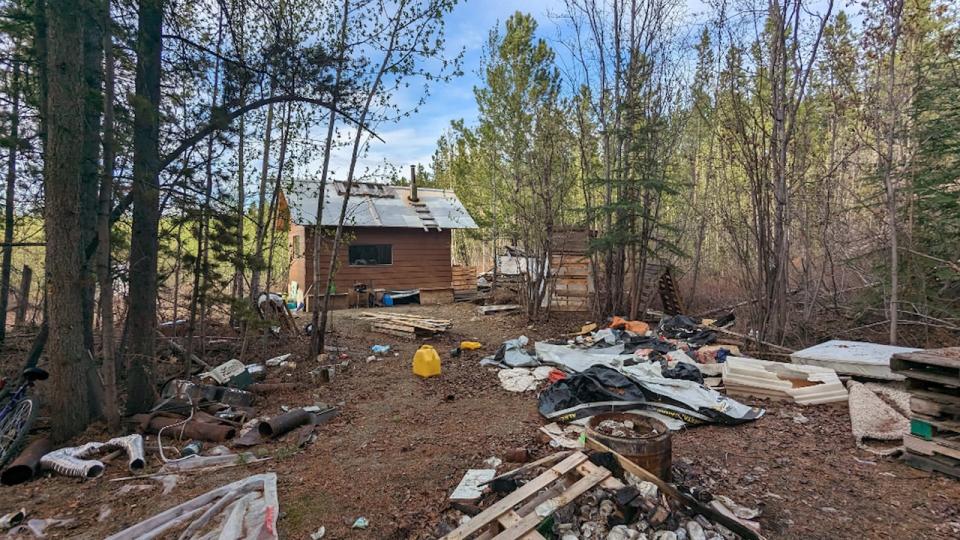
[186, 433]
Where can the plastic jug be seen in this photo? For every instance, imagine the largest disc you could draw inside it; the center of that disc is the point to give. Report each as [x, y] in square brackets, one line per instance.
[426, 362]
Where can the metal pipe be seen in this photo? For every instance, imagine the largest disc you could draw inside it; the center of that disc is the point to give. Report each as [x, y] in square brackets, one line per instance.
[27, 464]
[191, 430]
[278, 425]
[413, 183]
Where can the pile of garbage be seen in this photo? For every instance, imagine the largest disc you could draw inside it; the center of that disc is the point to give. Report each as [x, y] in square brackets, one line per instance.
[627, 366]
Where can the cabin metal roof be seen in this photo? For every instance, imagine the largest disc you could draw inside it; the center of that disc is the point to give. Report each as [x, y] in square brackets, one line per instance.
[379, 205]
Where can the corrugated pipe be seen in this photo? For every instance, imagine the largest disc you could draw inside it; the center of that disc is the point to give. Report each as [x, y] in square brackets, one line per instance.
[72, 461]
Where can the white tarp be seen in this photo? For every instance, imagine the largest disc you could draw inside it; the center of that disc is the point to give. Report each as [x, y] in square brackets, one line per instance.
[852, 358]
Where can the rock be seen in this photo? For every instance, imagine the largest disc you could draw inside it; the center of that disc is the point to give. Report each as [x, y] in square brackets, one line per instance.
[704, 522]
[681, 533]
[647, 489]
[829, 510]
[695, 531]
[724, 532]
[659, 516]
[607, 508]
[517, 455]
[664, 535]
[622, 532]
[569, 536]
[590, 530]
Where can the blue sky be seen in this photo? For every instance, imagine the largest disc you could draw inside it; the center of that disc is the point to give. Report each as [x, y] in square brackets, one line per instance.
[413, 139]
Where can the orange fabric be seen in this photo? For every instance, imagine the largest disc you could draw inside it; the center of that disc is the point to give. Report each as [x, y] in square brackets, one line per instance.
[637, 327]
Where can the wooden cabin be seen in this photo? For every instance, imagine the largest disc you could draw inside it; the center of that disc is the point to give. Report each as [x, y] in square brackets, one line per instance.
[397, 238]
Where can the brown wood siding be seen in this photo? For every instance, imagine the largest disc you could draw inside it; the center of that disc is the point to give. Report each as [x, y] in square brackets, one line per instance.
[464, 278]
[421, 259]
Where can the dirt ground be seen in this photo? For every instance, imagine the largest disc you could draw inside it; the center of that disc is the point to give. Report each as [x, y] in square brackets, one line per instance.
[401, 444]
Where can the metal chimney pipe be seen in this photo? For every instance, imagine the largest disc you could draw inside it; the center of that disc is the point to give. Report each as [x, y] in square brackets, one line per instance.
[413, 183]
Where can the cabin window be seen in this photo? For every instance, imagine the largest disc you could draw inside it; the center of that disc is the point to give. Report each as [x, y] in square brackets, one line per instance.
[367, 254]
[297, 253]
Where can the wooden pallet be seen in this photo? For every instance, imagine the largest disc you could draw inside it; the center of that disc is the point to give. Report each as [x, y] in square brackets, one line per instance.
[940, 464]
[947, 447]
[935, 371]
[515, 515]
[404, 324]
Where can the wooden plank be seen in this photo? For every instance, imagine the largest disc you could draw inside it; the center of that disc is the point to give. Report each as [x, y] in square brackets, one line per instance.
[482, 519]
[507, 519]
[928, 448]
[933, 408]
[933, 464]
[948, 358]
[530, 521]
[922, 375]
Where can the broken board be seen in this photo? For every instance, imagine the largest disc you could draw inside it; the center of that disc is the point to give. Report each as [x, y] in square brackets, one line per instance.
[470, 487]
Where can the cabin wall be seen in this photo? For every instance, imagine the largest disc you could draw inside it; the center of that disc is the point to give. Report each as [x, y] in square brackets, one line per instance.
[421, 259]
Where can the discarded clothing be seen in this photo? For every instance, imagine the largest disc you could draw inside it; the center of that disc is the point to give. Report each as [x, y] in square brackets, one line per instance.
[636, 327]
[517, 379]
[687, 329]
[512, 354]
[684, 371]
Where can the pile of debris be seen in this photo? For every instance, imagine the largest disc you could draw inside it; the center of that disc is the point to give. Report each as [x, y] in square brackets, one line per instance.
[185, 433]
[405, 324]
[597, 496]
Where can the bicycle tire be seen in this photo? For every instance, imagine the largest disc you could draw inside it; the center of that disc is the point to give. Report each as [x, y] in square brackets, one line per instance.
[15, 428]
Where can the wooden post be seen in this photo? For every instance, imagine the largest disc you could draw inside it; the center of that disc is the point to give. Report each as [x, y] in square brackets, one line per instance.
[24, 298]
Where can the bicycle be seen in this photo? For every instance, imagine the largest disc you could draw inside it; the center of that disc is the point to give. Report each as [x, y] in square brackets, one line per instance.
[17, 414]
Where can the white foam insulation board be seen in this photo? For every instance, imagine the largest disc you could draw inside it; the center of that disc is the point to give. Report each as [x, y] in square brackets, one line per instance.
[852, 358]
[805, 385]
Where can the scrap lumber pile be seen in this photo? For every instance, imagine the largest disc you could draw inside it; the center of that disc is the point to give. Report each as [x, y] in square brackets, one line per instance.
[405, 324]
[600, 495]
[933, 380]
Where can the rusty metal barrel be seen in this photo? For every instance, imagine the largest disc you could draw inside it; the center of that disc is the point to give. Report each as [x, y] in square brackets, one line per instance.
[641, 439]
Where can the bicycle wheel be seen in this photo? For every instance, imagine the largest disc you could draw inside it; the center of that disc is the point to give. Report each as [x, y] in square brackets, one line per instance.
[14, 428]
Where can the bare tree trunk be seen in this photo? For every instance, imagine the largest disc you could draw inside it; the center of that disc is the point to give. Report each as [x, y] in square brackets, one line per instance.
[338, 237]
[261, 206]
[142, 316]
[316, 341]
[201, 265]
[107, 345]
[894, 11]
[241, 219]
[277, 187]
[10, 194]
[66, 90]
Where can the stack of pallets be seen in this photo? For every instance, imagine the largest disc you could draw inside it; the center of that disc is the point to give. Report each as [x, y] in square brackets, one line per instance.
[405, 324]
[933, 380]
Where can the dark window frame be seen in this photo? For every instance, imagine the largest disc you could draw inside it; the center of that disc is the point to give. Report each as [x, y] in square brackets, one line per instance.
[351, 258]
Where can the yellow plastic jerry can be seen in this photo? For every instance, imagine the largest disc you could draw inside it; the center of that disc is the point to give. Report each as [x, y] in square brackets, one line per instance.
[426, 362]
